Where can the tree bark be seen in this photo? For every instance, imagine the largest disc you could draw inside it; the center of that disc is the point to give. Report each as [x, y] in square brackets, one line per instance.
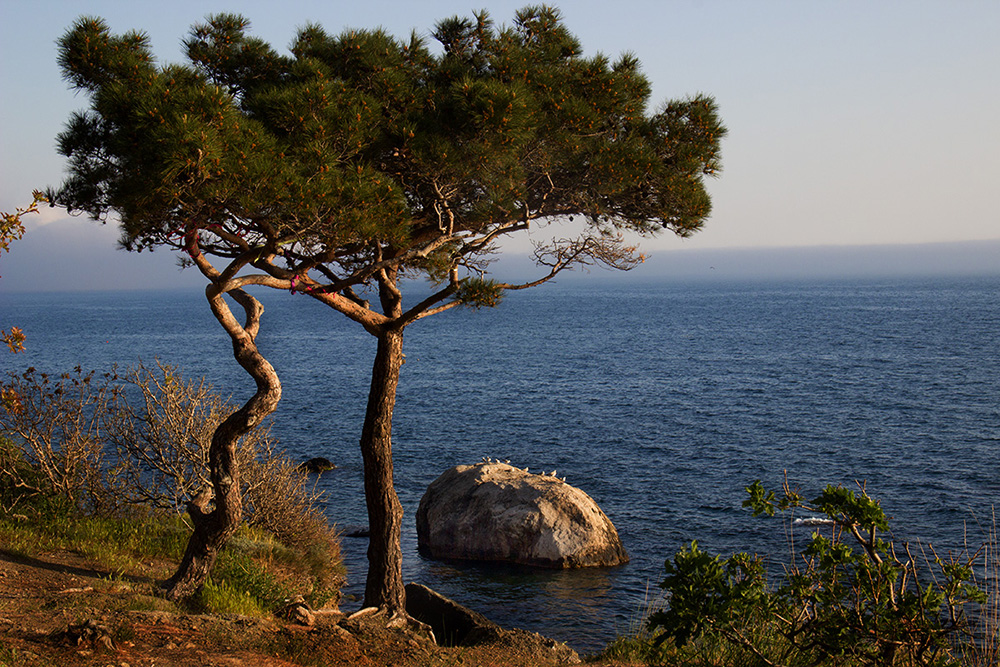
[384, 585]
[212, 528]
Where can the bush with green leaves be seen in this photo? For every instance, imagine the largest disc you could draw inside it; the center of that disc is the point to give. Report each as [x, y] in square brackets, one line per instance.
[850, 596]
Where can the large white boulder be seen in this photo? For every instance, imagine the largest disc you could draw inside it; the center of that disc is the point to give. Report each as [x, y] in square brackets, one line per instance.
[496, 512]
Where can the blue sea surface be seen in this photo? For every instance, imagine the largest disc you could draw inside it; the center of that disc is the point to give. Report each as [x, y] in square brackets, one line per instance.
[662, 401]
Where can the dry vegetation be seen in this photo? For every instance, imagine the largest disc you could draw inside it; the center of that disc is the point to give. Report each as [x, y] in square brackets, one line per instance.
[94, 474]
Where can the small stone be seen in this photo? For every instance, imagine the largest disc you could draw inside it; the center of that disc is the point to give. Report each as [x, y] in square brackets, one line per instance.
[317, 464]
[304, 616]
[297, 611]
[90, 632]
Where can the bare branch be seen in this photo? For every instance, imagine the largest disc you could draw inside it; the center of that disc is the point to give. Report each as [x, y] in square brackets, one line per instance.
[439, 309]
[441, 205]
[353, 296]
[192, 247]
[587, 250]
[425, 309]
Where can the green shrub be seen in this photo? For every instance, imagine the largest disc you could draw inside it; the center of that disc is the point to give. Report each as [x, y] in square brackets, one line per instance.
[850, 597]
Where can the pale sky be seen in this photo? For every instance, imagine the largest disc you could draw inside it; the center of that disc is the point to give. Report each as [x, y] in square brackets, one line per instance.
[850, 122]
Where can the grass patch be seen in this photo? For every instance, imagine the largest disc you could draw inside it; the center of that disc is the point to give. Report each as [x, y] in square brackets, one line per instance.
[253, 576]
[11, 657]
[258, 561]
[236, 572]
[224, 598]
[117, 543]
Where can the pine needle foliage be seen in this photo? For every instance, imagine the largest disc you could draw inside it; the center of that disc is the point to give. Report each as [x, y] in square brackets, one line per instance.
[360, 146]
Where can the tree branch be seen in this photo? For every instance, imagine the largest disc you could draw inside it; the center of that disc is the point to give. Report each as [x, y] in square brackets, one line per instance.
[587, 250]
[423, 309]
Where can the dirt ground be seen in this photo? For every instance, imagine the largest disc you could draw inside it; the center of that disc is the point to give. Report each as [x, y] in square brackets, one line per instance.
[59, 609]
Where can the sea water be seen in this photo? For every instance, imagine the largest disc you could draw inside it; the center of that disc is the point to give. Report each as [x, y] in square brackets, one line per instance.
[661, 400]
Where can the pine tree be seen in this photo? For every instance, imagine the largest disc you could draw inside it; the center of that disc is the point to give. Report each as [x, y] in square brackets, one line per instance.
[360, 159]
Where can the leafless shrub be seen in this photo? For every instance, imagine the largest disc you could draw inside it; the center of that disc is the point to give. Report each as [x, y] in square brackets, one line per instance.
[160, 435]
[141, 438]
[57, 424]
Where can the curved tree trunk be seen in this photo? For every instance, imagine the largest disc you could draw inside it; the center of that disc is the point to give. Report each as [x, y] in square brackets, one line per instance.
[384, 585]
[212, 528]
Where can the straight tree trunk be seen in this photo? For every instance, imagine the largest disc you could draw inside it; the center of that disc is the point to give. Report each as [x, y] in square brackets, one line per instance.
[384, 585]
[213, 527]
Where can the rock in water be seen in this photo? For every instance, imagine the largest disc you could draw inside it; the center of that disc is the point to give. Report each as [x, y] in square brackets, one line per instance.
[496, 512]
[317, 464]
[453, 624]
